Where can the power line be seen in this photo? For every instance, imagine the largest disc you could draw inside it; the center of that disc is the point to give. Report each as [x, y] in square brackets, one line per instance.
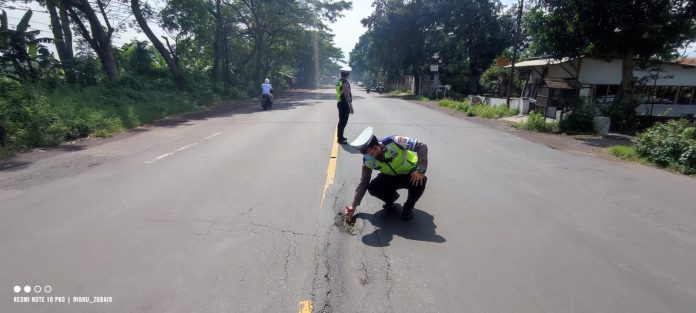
[30, 22]
[30, 28]
[24, 9]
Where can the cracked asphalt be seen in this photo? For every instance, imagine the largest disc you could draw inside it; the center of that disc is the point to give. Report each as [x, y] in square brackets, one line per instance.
[223, 213]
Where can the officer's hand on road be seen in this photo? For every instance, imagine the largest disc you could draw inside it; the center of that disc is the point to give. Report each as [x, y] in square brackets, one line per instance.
[417, 178]
[350, 210]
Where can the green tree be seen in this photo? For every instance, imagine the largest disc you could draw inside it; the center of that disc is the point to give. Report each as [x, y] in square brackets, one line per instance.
[636, 30]
[405, 37]
[362, 59]
[100, 32]
[62, 35]
[191, 24]
[495, 79]
[21, 48]
[480, 30]
[267, 23]
[141, 19]
[320, 60]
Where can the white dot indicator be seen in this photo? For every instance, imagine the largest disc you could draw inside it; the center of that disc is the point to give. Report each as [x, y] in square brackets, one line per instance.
[27, 289]
[17, 289]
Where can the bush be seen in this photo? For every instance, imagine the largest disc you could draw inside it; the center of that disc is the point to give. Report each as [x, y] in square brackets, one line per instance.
[580, 120]
[537, 122]
[671, 144]
[623, 119]
[27, 117]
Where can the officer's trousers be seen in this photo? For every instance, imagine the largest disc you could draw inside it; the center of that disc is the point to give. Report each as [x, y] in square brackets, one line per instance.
[384, 187]
[343, 113]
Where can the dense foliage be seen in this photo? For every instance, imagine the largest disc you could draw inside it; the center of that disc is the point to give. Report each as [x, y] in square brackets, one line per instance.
[670, 144]
[579, 120]
[406, 37]
[215, 50]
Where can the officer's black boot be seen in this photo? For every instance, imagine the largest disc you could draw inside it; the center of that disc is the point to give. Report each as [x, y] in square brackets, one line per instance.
[407, 213]
[390, 205]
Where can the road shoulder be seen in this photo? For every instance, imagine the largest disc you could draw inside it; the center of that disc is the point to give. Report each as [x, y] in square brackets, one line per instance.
[587, 145]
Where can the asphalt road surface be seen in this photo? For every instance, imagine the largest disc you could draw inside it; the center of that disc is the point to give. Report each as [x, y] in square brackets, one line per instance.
[234, 212]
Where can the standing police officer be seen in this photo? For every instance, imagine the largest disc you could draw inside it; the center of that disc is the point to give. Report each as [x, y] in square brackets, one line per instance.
[402, 162]
[345, 104]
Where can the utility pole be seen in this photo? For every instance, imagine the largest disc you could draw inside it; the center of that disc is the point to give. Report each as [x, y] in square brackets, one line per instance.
[514, 51]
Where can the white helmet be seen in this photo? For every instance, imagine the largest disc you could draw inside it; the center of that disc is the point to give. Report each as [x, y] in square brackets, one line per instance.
[267, 81]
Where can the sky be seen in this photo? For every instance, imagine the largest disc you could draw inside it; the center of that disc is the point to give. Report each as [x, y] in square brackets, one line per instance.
[347, 30]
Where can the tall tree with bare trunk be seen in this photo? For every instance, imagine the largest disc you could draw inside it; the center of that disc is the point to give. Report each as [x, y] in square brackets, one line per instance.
[142, 21]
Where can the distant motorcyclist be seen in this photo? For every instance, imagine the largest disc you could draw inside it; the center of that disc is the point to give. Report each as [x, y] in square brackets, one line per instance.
[267, 94]
[380, 88]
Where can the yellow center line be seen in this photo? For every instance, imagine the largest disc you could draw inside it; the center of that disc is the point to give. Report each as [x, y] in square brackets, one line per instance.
[331, 169]
[306, 306]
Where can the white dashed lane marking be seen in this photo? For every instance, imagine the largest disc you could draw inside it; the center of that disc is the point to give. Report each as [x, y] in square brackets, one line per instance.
[185, 147]
[180, 149]
[211, 136]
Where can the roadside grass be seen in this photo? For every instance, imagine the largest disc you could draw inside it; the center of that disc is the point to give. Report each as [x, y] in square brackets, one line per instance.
[399, 92]
[493, 112]
[630, 153]
[484, 111]
[626, 152]
[37, 115]
[416, 97]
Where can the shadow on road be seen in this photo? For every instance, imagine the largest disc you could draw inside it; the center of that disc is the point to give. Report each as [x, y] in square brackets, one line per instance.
[605, 141]
[327, 96]
[287, 101]
[388, 223]
[15, 163]
[350, 149]
[11, 165]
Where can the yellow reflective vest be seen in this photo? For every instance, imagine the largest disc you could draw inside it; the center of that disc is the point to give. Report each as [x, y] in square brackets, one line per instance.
[396, 161]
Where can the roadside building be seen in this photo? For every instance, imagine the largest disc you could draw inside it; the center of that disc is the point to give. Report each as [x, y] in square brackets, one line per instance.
[556, 86]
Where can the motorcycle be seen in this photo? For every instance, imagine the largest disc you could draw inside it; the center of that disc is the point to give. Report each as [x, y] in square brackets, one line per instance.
[266, 102]
[367, 89]
[380, 89]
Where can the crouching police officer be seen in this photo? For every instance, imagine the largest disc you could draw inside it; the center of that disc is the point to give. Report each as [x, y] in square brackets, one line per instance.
[402, 162]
